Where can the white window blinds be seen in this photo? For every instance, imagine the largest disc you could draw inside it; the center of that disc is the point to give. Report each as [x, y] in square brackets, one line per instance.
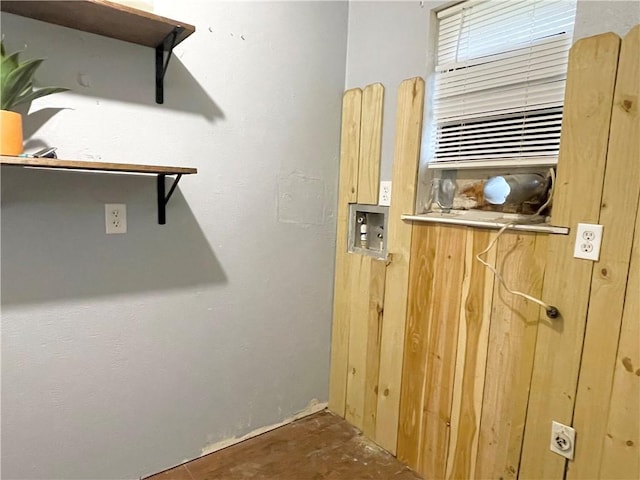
[499, 81]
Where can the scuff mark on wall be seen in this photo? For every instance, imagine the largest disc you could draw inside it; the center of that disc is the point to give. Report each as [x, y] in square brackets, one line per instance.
[301, 199]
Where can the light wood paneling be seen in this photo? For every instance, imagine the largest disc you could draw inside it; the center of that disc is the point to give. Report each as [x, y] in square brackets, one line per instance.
[609, 278]
[374, 337]
[366, 291]
[347, 193]
[430, 346]
[512, 338]
[405, 172]
[358, 290]
[370, 144]
[422, 295]
[585, 131]
[468, 386]
[621, 450]
[473, 333]
[359, 284]
[453, 305]
[444, 322]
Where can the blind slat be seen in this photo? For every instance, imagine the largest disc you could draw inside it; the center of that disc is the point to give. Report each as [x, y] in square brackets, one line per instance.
[540, 134]
[505, 156]
[548, 117]
[485, 28]
[556, 43]
[485, 104]
[500, 79]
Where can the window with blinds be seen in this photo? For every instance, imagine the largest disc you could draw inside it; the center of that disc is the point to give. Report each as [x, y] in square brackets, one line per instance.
[499, 82]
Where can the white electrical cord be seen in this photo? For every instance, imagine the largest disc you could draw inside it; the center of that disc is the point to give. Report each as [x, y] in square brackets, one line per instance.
[552, 311]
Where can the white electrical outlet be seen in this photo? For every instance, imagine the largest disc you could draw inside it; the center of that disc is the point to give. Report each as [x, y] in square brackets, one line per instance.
[115, 217]
[384, 199]
[588, 240]
[563, 440]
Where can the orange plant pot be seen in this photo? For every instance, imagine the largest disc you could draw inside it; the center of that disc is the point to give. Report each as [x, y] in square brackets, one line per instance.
[10, 133]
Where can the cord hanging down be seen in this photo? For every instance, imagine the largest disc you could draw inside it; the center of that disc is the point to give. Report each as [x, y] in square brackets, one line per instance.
[552, 312]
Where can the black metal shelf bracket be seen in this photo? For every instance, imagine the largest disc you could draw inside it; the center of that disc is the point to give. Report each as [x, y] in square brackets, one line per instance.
[161, 64]
[164, 199]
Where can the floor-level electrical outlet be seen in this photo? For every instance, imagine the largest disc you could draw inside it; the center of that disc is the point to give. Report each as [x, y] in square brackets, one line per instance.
[115, 217]
[563, 440]
[384, 199]
[588, 240]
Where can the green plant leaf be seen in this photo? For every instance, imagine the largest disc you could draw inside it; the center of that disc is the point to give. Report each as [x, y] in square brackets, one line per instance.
[8, 65]
[26, 90]
[41, 92]
[9, 62]
[17, 80]
[3, 52]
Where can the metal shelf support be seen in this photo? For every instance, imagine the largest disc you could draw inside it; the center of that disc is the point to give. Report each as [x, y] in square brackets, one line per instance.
[164, 199]
[161, 64]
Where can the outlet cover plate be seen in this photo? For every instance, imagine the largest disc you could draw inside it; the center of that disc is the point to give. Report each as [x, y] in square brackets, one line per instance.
[588, 241]
[384, 198]
[563, 440]
[115, 218]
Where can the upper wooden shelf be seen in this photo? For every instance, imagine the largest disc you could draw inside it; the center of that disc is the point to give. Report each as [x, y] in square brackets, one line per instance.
[102, 18]
[111, 20]
[56, 163]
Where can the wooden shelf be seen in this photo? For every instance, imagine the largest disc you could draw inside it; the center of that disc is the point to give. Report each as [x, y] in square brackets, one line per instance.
[120, 22]
[102, 18]
[56, 163]
[111, 20]
[160, 171]
[491, 220]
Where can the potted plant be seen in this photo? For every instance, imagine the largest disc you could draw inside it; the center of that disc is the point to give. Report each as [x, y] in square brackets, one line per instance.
[16, 87]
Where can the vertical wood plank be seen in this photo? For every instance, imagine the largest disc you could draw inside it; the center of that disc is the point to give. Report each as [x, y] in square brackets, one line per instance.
[621, 450]
[475, 316]
[442, 348]
[374, 334]
[585, 131]
[404, 178]
[461, 337]
[421, 296]
[609, 278]
[370, 144]
[347, 193]
[512, 339]
[358, 325]
[430, 347]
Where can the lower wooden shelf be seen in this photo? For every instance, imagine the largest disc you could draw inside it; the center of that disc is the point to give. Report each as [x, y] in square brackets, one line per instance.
[56, 163]
[492, 220]
[106, 167]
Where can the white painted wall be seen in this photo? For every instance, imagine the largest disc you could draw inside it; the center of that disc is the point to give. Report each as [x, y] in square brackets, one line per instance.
[388, 42]
[124, 355]
[598, 16]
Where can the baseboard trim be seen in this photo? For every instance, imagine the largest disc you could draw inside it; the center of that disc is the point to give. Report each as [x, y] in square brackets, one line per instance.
[313, 407]
[309, 410]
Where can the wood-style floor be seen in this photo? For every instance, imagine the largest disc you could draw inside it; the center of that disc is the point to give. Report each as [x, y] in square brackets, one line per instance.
[319, 447]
